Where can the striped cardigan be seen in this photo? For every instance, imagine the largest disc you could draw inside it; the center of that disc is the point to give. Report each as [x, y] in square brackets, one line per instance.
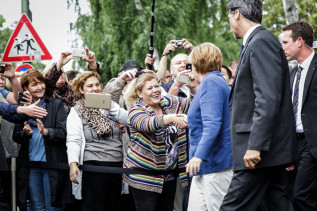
[147, 146]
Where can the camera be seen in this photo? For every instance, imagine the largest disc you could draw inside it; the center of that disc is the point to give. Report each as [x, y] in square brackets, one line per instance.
[98, 100]
[184, 79]
[2, 68]
[20, 96]
[179, 43]
[189, 67]
[138, 73]
[78, 52]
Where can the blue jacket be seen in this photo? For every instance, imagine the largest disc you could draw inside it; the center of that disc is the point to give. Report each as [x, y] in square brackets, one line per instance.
[9, 113]
[209, 126]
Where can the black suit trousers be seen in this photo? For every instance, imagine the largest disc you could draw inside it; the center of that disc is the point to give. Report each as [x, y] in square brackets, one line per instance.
[305, 187]
[250, 188]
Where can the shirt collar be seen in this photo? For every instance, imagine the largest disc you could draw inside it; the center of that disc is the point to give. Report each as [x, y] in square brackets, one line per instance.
[247, 35]
[307, 61]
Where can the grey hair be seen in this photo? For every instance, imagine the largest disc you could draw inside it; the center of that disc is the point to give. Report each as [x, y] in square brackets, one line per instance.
[250, 9]
[174, 58]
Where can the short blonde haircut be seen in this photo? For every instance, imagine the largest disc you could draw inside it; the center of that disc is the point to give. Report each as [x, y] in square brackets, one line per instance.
[137, 84]
[80, 80]
[206, 58]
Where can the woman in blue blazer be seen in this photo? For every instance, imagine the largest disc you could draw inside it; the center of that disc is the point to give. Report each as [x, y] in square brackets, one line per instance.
[210, 150]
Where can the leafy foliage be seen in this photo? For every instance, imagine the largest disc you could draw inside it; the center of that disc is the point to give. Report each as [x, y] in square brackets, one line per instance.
[116, 31]
[274, 19]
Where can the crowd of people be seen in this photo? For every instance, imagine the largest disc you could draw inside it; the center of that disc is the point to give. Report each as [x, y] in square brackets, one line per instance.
[198, 135]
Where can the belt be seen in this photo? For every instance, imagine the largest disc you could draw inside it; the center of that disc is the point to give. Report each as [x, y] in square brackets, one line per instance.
[300, 136]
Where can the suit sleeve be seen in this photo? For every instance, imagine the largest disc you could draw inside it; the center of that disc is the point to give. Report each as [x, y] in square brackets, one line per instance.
[211, 104]
[267, 74]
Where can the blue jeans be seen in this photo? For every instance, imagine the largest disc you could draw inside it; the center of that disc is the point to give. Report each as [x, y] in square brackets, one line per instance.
[40, 194]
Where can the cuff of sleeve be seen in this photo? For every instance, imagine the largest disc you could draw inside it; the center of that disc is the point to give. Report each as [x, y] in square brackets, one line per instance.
[120, 83]
[160, 121]
[50, 134]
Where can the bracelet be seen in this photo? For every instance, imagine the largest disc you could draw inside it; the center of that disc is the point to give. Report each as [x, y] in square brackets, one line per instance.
[165, 54]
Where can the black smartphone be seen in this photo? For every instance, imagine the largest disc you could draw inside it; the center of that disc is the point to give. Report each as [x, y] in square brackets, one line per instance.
[188, 66]
[20, 96]
[2, 68]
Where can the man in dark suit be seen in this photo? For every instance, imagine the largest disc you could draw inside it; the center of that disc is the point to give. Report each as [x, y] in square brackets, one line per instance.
[261, 114]
[297, 44]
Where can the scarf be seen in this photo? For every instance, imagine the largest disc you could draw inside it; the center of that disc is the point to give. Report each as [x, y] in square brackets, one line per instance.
[171, 146]
[32, 120]
[94, 118]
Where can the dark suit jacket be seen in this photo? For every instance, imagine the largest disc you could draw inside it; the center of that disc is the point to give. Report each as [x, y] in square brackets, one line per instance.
[261, 110]
[309, 106]
[168, 85]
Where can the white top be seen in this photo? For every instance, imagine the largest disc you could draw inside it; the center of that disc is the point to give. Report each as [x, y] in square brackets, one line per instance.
[305, 66]
[185, 89]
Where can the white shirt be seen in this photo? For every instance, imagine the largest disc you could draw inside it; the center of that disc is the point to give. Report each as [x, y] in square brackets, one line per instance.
[183, 88]
[305, 66]
[247, 35]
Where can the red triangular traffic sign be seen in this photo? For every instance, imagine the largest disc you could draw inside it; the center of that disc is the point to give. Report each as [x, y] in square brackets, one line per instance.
[25, 44]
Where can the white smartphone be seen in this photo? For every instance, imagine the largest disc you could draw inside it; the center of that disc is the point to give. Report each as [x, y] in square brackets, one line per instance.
[78, 52]
[98, 100]
[184, 79]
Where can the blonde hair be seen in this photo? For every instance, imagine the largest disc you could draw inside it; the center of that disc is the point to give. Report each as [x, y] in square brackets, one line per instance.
[206, 58]
[137, 84]
[80, 80]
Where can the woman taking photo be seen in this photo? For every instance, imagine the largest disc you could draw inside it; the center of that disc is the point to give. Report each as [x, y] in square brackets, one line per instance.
[42, 140]
[210, 151]
[156, 143]
[94, 138]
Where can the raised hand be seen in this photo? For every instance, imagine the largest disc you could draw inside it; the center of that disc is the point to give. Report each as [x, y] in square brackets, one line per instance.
[149, 61]
[41, 127]
[91, 59]
[27, 98]
[27, 129]
[65, 57]
[187, 45]
[128, 75]
[8, 71]
[169, 48]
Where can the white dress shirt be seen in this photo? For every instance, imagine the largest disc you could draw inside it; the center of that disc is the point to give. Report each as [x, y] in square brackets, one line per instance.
[305, 66]
[246, 36]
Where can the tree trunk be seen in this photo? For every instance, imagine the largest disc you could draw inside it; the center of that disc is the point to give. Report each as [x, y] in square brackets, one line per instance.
[290, 10]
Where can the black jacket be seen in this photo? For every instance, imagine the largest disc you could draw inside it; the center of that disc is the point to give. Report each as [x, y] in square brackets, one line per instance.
[309, 105]
[261, 111]
[55, 149]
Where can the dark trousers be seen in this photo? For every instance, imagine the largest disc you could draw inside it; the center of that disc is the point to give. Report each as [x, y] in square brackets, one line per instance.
[151, 201]
[4, 204]
[101, 191]
[305, 186]
[251, 188]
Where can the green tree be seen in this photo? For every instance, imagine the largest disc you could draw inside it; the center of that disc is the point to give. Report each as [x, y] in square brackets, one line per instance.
[4, 35]
[117, 31]
[274, 18]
